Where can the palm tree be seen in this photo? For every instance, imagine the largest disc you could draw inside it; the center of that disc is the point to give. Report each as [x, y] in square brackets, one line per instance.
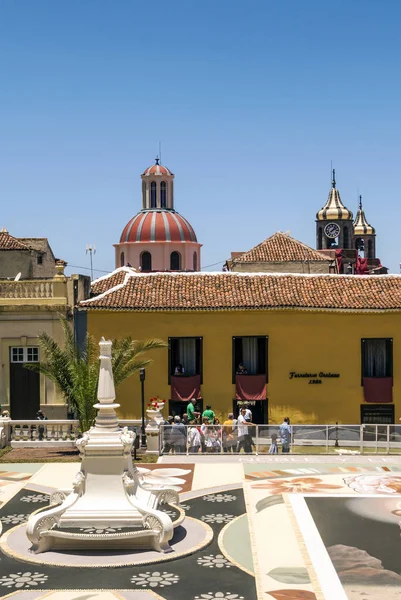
[76, 371]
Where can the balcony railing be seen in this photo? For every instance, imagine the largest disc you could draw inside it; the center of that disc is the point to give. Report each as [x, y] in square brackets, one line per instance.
[26, 289]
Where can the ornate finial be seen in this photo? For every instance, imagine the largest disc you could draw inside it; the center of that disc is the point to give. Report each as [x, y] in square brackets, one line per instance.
[360, 202]
[333, 181]
[157, 159]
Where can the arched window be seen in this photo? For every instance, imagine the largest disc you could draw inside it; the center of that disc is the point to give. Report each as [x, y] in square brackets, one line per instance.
[153, 194]
[346, 238]
[143, 194]
[195, 261]
[146, 261]
[319, 238]
[175, 261]
[122, 260]
[163, 194]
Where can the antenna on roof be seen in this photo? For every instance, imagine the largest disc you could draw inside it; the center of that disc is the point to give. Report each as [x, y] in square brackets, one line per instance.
[92, 250]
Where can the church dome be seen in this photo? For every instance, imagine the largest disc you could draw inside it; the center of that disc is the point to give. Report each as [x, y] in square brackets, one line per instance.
[334, 209]
[157, 169]
[361, 225]
[158, 226]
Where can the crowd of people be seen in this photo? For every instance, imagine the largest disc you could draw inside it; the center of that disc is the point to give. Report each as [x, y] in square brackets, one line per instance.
[197, 432]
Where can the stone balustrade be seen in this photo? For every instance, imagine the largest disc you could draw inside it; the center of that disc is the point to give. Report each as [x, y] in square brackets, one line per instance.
[62, 433]
[27, 289]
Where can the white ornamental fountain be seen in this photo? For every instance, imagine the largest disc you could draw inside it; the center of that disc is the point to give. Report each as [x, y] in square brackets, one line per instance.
[109, 495]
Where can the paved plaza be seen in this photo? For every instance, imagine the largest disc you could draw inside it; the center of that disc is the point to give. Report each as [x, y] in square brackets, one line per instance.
[266, 528]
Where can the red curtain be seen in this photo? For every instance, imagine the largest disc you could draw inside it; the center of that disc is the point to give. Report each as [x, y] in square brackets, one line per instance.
[250, 387]
[361, 266]
[185, 388]
[378, 389]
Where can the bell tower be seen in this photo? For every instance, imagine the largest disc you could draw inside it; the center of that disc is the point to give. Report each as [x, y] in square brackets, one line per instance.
[364, 234]
[334, 227]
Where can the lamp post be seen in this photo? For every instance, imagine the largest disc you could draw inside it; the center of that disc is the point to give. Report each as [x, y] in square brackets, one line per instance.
[142, 375]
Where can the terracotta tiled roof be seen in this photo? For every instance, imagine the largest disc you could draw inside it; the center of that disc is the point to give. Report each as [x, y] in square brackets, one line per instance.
[8, 242]
[280, 247]
[244, 291]
[101, 285]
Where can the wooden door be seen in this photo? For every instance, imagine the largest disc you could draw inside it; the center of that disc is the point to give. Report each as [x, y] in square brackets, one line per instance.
[24, 392]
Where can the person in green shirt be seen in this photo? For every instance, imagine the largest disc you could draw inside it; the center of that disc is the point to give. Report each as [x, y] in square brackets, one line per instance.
[191, 412]
[208, 413]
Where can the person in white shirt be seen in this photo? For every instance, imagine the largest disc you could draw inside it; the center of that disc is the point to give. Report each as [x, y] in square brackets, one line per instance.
[243, 433]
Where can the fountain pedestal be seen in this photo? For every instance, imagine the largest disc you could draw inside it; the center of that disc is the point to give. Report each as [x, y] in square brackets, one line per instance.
[109, 506]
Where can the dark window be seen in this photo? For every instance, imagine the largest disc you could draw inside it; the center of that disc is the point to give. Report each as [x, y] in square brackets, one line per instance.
[370, 249]
[377, 357]
[195, 261]
[39, 259]
[163, 194]
[187, 352]
[122, 261]
[153, 194]
[175, 261]
[146, 261]
[346, 238]
[380, 414]
[252, 353]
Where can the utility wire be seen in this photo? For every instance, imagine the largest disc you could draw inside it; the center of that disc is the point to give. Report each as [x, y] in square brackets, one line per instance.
[88, 268]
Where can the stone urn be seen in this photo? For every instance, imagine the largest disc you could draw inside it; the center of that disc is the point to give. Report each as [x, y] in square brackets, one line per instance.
[152, 429]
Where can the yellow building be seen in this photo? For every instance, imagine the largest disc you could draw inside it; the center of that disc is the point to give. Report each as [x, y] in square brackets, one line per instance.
[317, 348]
[30, 303]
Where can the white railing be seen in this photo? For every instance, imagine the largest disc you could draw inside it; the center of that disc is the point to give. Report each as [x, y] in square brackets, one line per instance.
[57, 432]
[26, 289]
[266, 439]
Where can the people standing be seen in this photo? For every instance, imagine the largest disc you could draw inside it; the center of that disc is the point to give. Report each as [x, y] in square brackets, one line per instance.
[285, 435]
[179, 435]
[243, 433]
[167, 439]
[229, 438]
[209, 413]
[194, 439]
[40, 416]
[191, 412]
[273, 446]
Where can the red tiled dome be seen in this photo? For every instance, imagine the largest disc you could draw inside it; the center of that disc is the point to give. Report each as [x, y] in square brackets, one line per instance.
[158, 226]
[157, 170]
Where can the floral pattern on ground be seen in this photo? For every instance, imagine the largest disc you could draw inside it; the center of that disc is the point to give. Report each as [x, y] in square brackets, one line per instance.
[35, 498]
[155, 579]
[220, 596]
[214, 560]
[374, 484]
[23, 580]
[217, 518]
[14, 519]
[220, 498]
[186, 507]
[298, 485]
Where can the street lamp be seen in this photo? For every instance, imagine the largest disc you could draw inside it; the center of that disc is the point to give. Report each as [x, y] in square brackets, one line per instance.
[142, 376]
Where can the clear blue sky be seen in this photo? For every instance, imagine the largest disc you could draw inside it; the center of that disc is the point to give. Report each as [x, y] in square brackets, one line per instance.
[251, 100]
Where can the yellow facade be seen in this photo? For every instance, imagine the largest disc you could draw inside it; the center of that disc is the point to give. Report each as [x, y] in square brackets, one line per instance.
[298, 341]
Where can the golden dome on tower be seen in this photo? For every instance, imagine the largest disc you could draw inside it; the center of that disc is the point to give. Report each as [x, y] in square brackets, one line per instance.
[334, 209]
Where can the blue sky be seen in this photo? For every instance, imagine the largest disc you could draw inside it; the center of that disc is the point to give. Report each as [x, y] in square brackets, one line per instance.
[251, 101]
